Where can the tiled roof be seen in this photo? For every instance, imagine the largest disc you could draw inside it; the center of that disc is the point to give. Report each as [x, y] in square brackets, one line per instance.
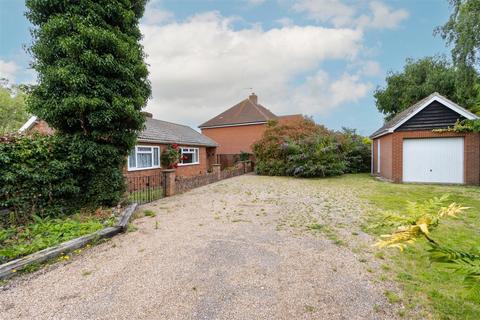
[168, 132]
[247, 111]
[409, 111]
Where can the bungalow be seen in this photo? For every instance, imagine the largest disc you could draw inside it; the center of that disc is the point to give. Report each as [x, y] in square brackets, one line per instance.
[406, 149]
[198, 150]
[239, 127]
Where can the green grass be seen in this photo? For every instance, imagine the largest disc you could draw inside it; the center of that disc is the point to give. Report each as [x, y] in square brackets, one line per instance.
[149, 213]
[432, 286]
[19, 241]
[145, 196]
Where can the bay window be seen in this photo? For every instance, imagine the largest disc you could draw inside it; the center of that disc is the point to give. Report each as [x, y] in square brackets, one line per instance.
[144, 157]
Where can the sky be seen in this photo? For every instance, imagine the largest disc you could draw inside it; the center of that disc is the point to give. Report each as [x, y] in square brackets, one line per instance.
[321, 58]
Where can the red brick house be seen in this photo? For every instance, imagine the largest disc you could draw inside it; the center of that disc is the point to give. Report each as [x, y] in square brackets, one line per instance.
[237, 128]
[144, 160]
[406, 149]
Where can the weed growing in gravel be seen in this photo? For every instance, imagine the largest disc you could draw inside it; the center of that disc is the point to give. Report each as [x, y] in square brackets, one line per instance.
[149, 213]
[392, 297]
[131, 228]
[86, 273]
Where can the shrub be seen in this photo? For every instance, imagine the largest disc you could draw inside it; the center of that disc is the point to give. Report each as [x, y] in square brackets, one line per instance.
[305, 149]
[171, 156]
[46, 176]
[356, 150]
[244, 156]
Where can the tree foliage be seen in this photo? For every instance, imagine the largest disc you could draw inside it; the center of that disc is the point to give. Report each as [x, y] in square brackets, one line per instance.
[12, 107]
[305, 149]
[462, 31]
[421, 78]
[92, 77]
[92, 85]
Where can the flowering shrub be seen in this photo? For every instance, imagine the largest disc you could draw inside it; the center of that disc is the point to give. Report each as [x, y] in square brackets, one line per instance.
[171, 156]
[305, 149]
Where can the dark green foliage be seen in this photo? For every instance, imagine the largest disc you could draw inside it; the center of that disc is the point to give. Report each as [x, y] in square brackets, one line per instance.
[47, 176]
[92, 77]
[304, 149]
[92, 87]
[421, 78]
[36, 176]
[356, 150]
[244, 156]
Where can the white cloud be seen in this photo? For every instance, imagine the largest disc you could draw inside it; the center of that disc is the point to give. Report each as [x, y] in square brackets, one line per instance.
[321, 92]
[8, 70]
[334, 11]
[382, 16]
[155, 14]
[203, 65]
[339, 14]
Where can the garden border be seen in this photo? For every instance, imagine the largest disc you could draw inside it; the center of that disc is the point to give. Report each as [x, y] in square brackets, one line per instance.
[9, 269]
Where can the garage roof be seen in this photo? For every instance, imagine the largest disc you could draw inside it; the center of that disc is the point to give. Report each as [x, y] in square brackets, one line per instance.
[411, 111]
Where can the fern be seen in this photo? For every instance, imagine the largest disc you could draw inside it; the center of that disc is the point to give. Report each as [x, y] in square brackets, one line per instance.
[465, 263]
[417, 221]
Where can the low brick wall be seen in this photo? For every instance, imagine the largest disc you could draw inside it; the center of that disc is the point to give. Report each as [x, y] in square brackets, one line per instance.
[183, 184]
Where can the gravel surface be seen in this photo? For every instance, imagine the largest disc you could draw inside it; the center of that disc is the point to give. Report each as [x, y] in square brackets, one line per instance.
[244, 248]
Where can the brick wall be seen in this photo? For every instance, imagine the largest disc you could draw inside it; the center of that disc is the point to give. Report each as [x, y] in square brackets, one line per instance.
[41, 127]
[394, 161]
[385, 156]
[233, 140]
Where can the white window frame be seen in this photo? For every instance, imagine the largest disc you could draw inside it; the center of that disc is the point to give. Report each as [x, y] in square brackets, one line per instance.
[129, 168]
[195, 150]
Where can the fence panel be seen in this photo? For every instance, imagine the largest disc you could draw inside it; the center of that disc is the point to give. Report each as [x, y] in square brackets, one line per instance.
[144, 189]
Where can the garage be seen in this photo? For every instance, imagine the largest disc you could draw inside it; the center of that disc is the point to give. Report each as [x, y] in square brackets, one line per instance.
[433, 160]
[420, 145]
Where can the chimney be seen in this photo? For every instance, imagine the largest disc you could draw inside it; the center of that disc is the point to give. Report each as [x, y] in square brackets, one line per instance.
[147, 114]
[253, 97]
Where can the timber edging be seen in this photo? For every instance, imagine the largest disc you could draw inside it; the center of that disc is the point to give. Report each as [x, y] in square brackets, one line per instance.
[10, 268]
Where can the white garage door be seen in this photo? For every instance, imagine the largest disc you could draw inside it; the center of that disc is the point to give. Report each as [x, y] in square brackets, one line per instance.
[433, 160]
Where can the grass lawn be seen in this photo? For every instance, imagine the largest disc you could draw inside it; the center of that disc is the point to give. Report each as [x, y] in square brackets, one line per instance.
[430, 285]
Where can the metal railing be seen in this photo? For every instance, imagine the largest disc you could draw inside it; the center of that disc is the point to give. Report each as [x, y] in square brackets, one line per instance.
[144, 189]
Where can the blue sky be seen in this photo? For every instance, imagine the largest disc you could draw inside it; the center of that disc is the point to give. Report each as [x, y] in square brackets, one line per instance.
[323, 58]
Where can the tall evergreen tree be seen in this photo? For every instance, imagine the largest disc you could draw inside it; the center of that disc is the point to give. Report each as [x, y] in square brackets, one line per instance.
[92, 83]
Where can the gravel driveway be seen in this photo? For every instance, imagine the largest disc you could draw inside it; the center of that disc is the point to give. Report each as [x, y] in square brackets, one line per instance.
[244, 248]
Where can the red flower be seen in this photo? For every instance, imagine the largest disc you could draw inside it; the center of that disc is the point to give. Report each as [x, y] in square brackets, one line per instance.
[175, 165]
[184, 157]
[175, 146]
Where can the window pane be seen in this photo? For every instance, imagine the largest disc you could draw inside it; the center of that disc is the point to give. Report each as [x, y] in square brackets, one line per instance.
[143, 149]
[196, 155]
[131, 159]
[144, 160]
[155, 157]
[188, 158]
